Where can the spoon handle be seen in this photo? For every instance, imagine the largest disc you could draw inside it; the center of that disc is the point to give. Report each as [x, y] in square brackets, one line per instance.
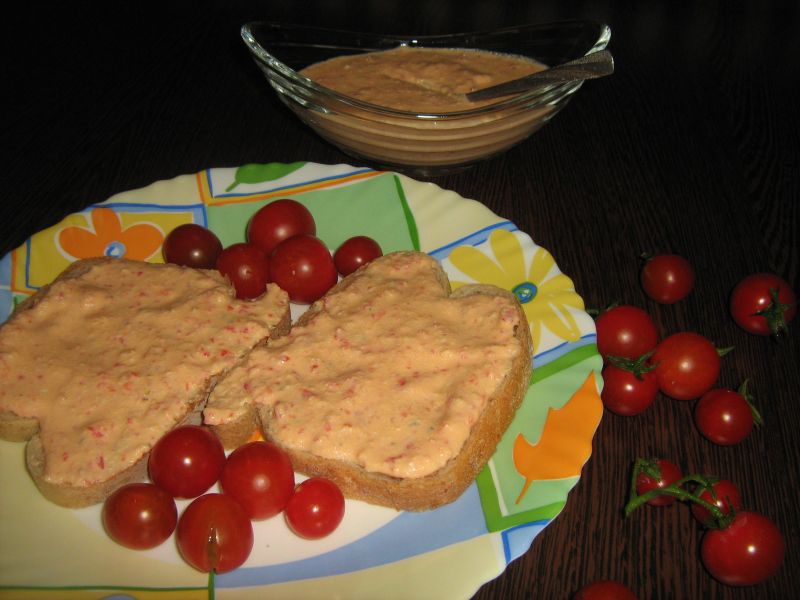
[590, 66]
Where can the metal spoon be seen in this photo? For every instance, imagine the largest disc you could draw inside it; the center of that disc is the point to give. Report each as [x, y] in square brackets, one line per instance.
[590, 66]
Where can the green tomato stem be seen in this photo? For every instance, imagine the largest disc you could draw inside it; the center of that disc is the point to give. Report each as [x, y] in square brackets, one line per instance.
[774, 315]
[748, 397]
[675, 489]
[637, 366]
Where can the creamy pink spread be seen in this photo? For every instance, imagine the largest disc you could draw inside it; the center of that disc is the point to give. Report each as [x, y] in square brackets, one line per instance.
[391, 375]
[110, 361]
[420, 79]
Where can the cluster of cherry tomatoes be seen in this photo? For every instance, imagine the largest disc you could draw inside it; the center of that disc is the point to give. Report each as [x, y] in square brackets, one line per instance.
[281, 247]
[739, 547]
[686, 365]
[683, 366]
[214, 532]
[637, 365]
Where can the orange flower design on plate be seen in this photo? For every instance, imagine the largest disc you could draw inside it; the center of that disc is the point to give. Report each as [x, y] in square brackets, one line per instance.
[106, 237]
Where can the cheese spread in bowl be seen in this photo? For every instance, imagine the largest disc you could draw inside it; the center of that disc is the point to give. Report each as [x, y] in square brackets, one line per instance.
[399, 102]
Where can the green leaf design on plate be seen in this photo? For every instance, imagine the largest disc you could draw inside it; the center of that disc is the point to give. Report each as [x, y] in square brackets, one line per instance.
[259, 173]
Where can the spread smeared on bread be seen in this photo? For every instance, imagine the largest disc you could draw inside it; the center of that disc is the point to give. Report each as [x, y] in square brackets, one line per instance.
[113, 354]
[389, 385]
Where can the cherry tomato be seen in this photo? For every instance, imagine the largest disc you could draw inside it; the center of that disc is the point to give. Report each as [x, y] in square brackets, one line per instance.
[247, 268]
[260, 477]
[667, 278]
[763, 304]
[686, 365]
[303, 267]
[727, 498]
[625, 331]
[186, 461]
[724, 416]
[139, 516]
[356, 252]
[748, 551]
[669, 473]
[605, 590]
[214, 534]
[626, 394]
[315, 509]
[278, 221]
[192, 245]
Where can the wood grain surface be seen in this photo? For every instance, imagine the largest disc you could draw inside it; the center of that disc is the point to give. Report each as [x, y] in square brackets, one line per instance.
[691, 147]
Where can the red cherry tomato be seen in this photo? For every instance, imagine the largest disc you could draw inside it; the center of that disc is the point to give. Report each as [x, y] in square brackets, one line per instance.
[669, 473]
[356, 252]
[260, 477]
[724, 416]
[303, 267]
[214, 534]
[667, 278]
[315, 509]
[278, 221]
[192, 245]
[186, 461]
[686, 365]
[625, 331]
[625, 394]
[247, 268]
[727, 498]
[139, 516]
[605, 590]
[763, 304]
[748, 551]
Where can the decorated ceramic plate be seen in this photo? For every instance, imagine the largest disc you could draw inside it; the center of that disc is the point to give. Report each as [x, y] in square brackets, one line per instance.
[56, 553]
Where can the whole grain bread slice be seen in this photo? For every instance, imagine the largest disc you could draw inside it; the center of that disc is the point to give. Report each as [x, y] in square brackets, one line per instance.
[235, 421]
[100, 290]
[450, 481]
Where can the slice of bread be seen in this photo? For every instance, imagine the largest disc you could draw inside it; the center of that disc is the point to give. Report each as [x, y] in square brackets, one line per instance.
[389, 385]
[102, 362]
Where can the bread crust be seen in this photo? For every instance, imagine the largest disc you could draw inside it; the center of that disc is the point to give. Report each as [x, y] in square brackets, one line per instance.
[235, 433]
[20, 429]
[449, 482]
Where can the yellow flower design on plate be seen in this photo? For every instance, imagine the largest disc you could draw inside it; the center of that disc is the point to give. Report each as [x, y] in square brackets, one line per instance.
[546, 294]
[106, 237]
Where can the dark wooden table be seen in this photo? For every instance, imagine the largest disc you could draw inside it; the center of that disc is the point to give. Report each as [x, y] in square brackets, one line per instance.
[691, 147]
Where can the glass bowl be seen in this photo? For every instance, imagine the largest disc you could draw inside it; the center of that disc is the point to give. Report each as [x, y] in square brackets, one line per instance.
[419, 143]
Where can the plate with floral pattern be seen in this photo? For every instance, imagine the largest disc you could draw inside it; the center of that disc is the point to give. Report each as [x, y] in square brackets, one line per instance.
[377, 552]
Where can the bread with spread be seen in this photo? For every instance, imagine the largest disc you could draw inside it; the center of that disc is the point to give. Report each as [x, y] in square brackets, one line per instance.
[102, 362]
[390, 385]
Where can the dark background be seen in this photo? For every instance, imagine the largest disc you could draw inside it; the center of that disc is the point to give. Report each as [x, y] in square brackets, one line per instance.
[691, 147]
